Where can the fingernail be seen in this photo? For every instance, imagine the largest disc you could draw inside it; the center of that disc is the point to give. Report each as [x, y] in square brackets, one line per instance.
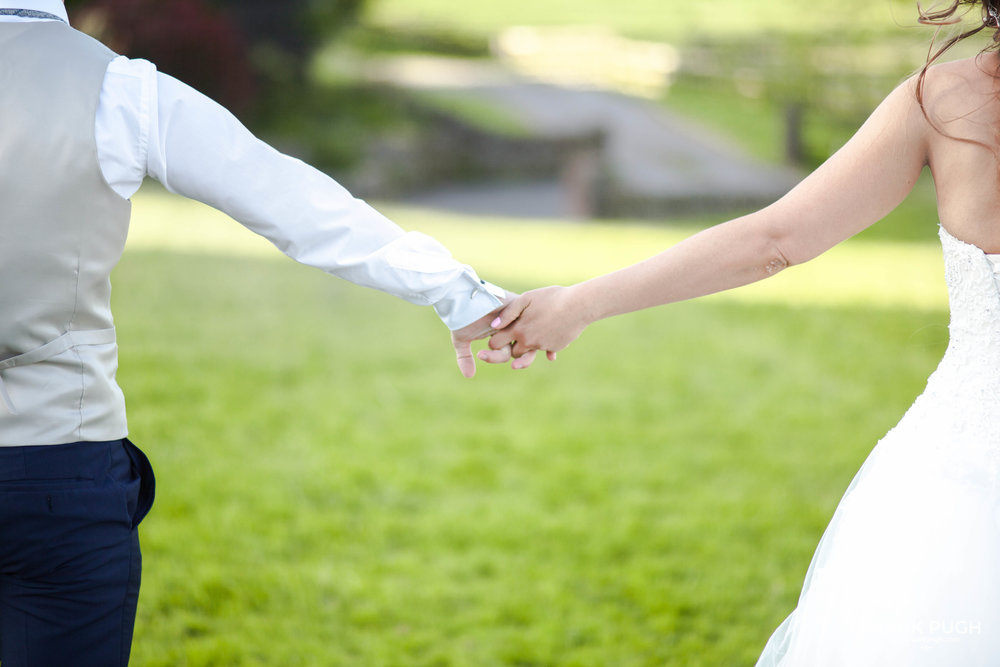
[495, 323]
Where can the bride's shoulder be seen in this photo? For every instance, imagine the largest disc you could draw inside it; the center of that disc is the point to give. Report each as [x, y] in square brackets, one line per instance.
[959, 86]
[959, 94]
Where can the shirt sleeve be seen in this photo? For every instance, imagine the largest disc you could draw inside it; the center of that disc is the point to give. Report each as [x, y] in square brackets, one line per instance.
[150, 123]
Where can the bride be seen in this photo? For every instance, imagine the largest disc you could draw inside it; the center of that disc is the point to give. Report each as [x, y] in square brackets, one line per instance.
[908, 571]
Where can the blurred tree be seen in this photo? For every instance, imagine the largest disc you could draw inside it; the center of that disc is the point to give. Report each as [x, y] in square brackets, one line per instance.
[283, 35]
[793, 87]
[821, 88]
[197, 44]
[229, 49]
[295, 25]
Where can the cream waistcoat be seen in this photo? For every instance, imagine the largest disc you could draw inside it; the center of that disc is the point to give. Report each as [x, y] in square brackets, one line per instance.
[62, 230]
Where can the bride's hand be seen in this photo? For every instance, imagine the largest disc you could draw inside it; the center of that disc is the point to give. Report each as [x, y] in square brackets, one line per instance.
[544, 319]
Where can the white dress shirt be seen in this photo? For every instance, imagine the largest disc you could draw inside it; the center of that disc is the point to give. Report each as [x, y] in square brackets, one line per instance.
[150, 124]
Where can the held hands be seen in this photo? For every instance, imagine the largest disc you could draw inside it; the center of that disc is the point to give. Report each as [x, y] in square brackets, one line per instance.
[544, 319]
[461, 339]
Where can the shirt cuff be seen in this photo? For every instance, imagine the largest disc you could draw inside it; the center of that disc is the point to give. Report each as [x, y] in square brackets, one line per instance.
[469, 300]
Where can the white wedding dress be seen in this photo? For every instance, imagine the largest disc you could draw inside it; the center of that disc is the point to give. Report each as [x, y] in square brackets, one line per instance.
[908, 571]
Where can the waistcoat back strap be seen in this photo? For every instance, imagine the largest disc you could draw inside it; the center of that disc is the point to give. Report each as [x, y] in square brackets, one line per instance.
[68, 340]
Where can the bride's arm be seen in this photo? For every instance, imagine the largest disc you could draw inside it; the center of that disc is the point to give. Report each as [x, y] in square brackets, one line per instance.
[856, 187]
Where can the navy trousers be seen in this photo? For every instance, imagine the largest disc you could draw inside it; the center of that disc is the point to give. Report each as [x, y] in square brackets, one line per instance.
[69, 552]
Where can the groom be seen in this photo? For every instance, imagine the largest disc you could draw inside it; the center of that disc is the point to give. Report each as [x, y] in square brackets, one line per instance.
[81, 129]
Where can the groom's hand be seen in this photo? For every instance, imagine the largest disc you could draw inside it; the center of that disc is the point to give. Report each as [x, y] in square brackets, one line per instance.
[462, 338]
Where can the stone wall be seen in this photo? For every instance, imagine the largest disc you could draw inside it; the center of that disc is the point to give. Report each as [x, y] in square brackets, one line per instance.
[447, 151]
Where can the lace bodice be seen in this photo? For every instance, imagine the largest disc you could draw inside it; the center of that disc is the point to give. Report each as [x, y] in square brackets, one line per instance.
[973, 293]
[958, 414]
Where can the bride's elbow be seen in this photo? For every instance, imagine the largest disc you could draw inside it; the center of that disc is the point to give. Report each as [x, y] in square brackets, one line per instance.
[775, 254]
[776, 263]
[770, 242]
[769, 246]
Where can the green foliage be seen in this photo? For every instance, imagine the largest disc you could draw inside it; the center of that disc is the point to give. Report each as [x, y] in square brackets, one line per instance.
[332, 492]
[755, 123]
[328, 17]
[381, 40]
[329, 126]
[672, 20]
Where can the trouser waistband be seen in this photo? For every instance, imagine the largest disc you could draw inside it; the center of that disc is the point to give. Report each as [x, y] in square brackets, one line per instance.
[78, 460]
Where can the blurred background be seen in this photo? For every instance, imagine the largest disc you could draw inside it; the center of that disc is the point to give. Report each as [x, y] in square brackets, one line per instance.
[551, 109]
[332, 492]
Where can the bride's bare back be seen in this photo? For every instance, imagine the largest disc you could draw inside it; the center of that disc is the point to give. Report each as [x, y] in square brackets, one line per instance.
[961, 98]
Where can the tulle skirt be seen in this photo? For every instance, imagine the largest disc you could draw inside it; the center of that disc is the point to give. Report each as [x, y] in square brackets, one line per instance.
[908, 571]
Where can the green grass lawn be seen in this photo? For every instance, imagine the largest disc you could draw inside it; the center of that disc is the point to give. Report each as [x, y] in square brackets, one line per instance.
[333, 492]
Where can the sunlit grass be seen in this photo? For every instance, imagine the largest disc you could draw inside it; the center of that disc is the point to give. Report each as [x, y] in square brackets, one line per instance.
[532, 253]
[332, 492]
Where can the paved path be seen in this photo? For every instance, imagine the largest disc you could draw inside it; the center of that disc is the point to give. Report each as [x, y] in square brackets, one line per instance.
[651, 153]
[527, 199]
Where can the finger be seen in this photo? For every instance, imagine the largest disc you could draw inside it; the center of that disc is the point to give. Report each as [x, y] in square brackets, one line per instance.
[519, 349]
[551, 356]
[500, 356]
[510, 313]
[524, 360]
[463, 355]
[502, 339]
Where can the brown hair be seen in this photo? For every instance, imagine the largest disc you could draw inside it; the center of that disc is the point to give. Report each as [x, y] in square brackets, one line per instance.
[953, 15]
